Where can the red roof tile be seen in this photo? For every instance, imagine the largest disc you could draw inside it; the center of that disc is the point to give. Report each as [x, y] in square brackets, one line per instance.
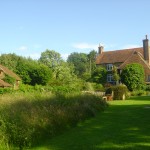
[136, 58]
[117, 55]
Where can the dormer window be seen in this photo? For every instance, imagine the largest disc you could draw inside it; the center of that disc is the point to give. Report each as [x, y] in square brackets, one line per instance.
[109, 67]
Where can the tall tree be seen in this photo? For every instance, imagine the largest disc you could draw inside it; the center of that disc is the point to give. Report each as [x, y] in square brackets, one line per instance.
[30, 71]
[39, 74]
[133, 76]
[92, 64]
[10, 61]
[51, 58]
[99, 75]
[80, 62]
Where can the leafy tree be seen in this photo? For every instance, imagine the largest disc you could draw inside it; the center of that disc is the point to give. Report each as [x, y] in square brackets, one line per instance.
[10, 61]
[50, 58]
[116, 76]
[133, 76]
[100, 75]
[79, 60]
[92, 62]
[30, 71]
[39, 74]
[23, 68]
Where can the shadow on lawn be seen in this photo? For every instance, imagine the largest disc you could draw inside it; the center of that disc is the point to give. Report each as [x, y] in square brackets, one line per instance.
[119, 127]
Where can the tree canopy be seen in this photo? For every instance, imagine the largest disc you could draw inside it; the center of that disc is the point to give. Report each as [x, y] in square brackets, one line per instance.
[84, 64]
[31, 71]
[99, 75]
[50, 58]
[133, 76]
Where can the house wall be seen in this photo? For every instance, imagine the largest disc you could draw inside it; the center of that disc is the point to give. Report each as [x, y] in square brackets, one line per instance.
[2, 75]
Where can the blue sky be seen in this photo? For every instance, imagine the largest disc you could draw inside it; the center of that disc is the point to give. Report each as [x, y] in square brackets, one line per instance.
[29, 27]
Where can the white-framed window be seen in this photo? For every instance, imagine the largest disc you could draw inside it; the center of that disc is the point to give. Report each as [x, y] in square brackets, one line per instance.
[109, 67]
[109, 78]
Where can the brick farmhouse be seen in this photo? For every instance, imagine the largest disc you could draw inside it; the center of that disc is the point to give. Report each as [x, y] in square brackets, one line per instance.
[120, 58]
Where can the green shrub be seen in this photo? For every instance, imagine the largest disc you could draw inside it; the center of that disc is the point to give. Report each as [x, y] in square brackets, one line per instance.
[138, 93]
[6, 90]
[120, 92]
[88, 86]
[147, 88]
[98, 87]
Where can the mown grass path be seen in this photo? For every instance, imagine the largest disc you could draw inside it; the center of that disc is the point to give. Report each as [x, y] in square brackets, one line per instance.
[124, 125]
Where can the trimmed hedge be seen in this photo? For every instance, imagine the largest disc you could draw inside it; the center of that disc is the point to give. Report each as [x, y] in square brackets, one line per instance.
[119, 92]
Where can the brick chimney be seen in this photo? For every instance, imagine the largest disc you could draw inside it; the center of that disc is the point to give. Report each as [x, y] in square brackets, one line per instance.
[100, 49]
[146, 50]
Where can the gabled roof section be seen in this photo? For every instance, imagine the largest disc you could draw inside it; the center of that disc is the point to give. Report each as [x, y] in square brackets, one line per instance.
[117, 56]
[4, 84]
[9, 72]
[136, 57]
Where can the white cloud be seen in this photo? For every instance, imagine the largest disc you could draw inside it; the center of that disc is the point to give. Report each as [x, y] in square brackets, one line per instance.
[22, 48]
[85, 46]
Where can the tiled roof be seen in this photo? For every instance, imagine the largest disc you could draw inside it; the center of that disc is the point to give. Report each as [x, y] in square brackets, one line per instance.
[136, 57]
[4, 84]
[9, 72]
[117, 56]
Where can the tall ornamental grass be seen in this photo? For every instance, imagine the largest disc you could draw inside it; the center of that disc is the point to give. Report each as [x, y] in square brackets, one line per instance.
[26, 120]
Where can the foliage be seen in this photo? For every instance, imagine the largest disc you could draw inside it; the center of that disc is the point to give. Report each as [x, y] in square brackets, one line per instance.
[79, 60]
[10, 60]
[84, 64]
[9, 79]
[147, 88]
[100, 75]
[50, 58]
[139, 93]
[133, 76]
[40, 74]
[88, 86]
[6, 90]
[120, 92]
[30, 71]
[64, 73]
[28, 119]
[116, 76]
[92, 61]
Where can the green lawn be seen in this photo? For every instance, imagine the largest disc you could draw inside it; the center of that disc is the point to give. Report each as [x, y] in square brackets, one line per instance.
[124, 125]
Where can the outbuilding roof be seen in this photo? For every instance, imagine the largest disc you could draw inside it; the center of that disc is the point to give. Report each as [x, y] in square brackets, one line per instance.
[4, 84]
[9, 72]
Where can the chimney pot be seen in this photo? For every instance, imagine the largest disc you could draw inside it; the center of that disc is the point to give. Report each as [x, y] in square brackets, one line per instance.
[146, 50]
[100, 49]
